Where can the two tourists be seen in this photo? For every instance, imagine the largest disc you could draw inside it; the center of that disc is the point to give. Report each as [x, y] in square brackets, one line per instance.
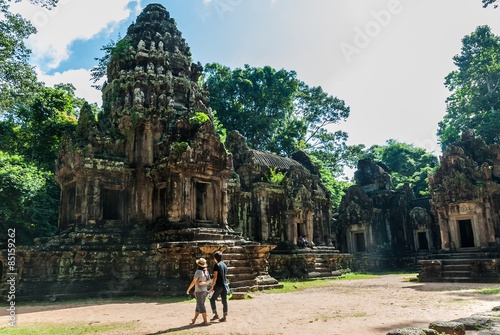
[220, 288]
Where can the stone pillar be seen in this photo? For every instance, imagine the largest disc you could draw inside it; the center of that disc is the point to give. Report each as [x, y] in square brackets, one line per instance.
[263, 200]
[490, 228]
[187, 199]
[445, 232]
[310, 226]
[291, 227]
[224, 203]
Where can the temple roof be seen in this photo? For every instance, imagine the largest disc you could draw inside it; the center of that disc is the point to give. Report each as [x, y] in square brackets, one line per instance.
[272, 160]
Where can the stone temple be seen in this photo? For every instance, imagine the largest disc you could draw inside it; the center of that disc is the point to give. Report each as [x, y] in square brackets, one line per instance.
[150, 187]
[144, 192]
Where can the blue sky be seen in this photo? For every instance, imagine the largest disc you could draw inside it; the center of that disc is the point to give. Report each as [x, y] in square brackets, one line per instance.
[386, 58]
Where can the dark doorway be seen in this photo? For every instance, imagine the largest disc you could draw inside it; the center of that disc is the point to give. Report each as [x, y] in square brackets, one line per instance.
[301, 229]
[360, 242]
[112, 204]
[160, 203]
[423, 244]
[466, 234]
[205, 202]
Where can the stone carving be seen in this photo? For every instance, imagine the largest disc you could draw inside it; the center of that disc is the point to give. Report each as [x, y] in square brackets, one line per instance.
[138, 97]
[140, 196]
[141, 46]
[379, 221]
[151, 68]
[300, 205]
[466, 195]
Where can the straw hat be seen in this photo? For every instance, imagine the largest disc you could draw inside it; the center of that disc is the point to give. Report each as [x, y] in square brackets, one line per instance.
[202, 262]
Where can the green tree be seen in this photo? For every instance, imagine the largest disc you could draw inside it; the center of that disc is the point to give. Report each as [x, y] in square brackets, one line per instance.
[277, 112]
[36, 130]
[29, 198]
[408, 164]
[17, 77]
[475, 90]
[258, 102]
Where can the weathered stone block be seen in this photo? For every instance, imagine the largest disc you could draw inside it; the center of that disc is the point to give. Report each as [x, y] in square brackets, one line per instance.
[413, 331]
[451, 328]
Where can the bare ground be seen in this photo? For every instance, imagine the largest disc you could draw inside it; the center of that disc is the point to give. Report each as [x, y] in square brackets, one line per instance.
[361, 307]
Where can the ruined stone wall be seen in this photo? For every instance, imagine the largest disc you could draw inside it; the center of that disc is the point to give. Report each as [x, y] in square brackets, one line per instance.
[277, 213]
[304, 264]
[465, 193]
[144, 191]
[382, 223]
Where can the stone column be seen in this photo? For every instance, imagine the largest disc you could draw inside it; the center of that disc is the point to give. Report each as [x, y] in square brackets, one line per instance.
[445, 232]
[490, 228]
[263, 199]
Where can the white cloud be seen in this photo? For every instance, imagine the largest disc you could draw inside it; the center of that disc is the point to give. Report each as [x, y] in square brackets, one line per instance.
[79, 78]
[71, 20]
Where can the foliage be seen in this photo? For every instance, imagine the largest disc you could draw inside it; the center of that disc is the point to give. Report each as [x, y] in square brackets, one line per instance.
[111, 50]
[336, 187]
[275, 177]
[297, 285]
[219, 128]
[179, 148]
[70, 329]
[408, 164]
[17, 77]
[254, 101]
[35, 130]
[277, 112]
[29, 198]
[488, 291]
[474, 102]
[198, 119]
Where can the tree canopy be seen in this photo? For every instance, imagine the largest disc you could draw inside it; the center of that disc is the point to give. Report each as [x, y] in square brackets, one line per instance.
[474, 102]
[277, 112]
[408, 164]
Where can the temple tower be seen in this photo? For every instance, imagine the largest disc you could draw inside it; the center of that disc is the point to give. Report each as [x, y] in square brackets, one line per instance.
[153, 157]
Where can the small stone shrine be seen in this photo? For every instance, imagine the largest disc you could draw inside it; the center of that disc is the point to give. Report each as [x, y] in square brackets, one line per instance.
[383, 227]
[465, 193]
[278, 213]
[145, 190]
[296, 203]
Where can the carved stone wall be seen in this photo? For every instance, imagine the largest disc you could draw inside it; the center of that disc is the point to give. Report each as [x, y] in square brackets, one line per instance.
[387, 224]
[277, 213]
[144, 191]
[466, 195]
[154, 155]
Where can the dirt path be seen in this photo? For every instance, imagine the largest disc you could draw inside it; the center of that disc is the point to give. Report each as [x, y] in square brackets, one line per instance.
[362, 307]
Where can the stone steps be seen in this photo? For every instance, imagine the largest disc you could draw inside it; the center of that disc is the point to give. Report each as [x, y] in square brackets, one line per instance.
[460, 267]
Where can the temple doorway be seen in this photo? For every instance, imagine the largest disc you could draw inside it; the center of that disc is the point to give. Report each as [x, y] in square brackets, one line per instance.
[423, 244]
[205, 201]
[112, 204]
[359, 240]
[466, 234]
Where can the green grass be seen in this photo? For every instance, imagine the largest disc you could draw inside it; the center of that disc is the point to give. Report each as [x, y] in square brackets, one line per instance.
[96, 301]
[295, 285]
[67, 329]
[488, 291]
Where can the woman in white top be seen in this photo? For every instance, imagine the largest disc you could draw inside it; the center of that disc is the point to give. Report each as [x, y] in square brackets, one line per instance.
[200, 281]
